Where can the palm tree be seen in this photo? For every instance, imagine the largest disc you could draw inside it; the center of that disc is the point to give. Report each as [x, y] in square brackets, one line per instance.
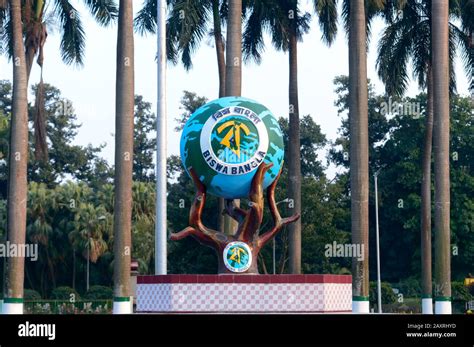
[406, 38]
[123, 157]
[36, 19]
[359, 152]
[286, 25]
[233, 67]
[18, 158]
[39, 227]
[233, 77]
[89, 234]
[357, 16]
[440, 61]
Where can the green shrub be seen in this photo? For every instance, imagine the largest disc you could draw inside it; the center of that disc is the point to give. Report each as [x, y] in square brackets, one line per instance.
[388, 296]
[64, 293]
[99, 293]
[460, 292]
[409, 287]
[30, 294]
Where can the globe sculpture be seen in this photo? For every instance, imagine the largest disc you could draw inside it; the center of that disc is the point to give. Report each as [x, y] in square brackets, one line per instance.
[233, 148]
[226, 140]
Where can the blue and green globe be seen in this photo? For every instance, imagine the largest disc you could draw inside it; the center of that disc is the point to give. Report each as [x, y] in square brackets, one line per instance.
[226, 140]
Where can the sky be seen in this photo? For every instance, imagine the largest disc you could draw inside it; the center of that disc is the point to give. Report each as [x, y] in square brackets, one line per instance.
[92, 87]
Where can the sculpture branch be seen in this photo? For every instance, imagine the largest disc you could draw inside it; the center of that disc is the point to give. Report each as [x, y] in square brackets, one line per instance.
[279, 223]
[255, 214]
[197, 229]
[249, 220]
[237, 213]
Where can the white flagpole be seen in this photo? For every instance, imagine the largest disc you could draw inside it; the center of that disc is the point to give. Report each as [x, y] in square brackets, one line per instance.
[161, 218]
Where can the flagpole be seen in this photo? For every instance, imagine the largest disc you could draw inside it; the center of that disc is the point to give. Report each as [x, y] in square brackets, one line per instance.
[161, 143]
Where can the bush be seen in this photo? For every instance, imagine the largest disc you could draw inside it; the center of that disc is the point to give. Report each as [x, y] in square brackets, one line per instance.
[460, 292]
[64, 293]
[388, 296]
[409, 287]
[99, 293]
[30, 294]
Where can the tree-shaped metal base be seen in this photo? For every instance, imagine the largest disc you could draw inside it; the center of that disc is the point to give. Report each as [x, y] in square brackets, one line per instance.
[249, 221]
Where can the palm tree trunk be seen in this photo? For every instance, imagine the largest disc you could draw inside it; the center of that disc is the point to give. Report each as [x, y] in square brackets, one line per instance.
[440, 54]
[359, 154]
[294, 165]
[220, 51]
[427, 302]
[18, 159]
[233, 73]
[123, 157]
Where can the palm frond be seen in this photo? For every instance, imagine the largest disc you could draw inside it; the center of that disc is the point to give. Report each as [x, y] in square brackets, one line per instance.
[72, 33]
[421, 55]
[145, 21]
[327, 18]
[393, 55]
[188, 25]
[6, 35]
[462, 42]
[252, 37]
[105, 12]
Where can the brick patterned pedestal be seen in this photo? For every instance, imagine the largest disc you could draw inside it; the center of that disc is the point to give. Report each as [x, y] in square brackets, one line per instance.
[244, 293]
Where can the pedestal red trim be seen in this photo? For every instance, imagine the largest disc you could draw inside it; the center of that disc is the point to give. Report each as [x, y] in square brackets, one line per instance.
[150, 279]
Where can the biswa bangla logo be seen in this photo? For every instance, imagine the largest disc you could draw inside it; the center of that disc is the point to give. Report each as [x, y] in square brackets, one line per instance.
[234, 141]
[237, 257]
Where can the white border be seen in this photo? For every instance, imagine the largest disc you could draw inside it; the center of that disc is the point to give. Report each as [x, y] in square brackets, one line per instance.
[123, 307]
[243, 245]
[427, 306]
[12, 308]
[443, 307]
[205, 138]
[360, 306]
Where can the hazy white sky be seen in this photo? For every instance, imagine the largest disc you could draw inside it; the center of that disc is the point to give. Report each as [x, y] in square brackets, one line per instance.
[92, 88]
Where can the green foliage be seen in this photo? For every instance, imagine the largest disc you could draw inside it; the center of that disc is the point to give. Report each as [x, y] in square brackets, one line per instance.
[64, 293]
[99, 293]
[190, 102]
[460, 292]
[30, 294]
[410, 287]
[395, 142]
[71, 220]
[65, 158]
[388, 296]
[144, 144]
[311, 140]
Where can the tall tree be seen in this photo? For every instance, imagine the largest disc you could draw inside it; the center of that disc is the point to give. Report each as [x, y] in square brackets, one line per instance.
[36, 20]
[359, 153]
[294, 148]
[233, 75]
[18, 159]
[408, 37]
[440, 44]
[124, 104]
[144, 145]
[286, 25]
